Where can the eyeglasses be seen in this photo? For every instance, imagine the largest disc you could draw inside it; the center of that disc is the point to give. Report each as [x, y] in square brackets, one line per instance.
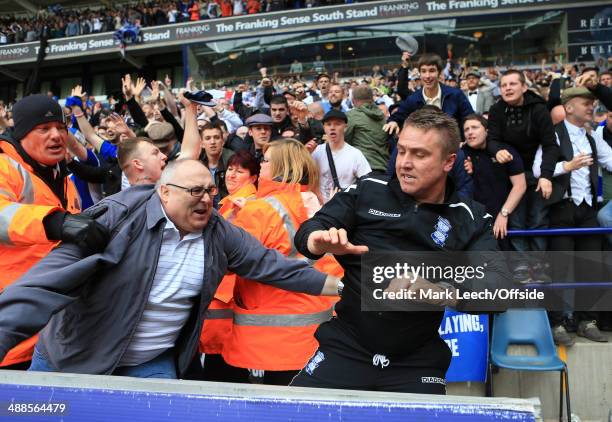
[198, 191]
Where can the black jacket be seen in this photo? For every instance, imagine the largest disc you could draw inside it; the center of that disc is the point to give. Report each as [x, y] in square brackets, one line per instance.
[525, 128]
[304, 134]
[562, 183]
[108, 174]
[376, 213]
[603, 94]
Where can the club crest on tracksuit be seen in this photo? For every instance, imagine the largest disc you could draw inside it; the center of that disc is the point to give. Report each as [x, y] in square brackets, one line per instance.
[440, 233]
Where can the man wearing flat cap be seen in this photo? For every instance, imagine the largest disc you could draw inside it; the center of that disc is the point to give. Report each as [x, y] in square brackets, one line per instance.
[574, 203]
[260, 133]
[38, 201]
[164, 137]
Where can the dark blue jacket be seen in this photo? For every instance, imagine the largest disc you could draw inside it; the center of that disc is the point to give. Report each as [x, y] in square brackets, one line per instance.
[461, 179]
[454, 103]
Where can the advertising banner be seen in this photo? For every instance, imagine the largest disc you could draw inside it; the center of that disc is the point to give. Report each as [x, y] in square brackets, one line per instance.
[467, 337]
[590, 34]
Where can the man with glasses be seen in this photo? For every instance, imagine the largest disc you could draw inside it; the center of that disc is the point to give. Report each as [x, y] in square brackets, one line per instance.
[136, 309]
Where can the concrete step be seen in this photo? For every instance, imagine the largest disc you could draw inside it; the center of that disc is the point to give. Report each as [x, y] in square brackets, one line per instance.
[590, 379]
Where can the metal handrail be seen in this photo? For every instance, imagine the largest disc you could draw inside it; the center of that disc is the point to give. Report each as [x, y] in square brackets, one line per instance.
[561, 232]
[587, 284]
[565, 232]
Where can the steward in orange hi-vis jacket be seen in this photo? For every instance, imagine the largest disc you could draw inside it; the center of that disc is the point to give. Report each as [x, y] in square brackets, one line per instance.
[217, 326]
[273, 329]
[36, 197]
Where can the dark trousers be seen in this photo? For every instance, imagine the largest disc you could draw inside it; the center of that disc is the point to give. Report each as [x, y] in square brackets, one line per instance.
[23, 366]
[341, 362]
[567, 214]
[216, 369]
[530, 213]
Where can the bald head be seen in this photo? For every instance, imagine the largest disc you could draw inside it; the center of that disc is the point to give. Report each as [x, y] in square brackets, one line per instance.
[176, 170]
[557, 114]
[316, 111]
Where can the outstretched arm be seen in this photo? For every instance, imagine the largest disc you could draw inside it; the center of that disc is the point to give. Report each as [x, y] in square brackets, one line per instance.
[191, 145]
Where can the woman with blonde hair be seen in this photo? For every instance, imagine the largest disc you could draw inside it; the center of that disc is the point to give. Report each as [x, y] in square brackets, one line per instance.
[273, 330]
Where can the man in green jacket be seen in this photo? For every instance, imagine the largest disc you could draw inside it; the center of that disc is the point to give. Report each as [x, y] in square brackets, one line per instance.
[364, 129]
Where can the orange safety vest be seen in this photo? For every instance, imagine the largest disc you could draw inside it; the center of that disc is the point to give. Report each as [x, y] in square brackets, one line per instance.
[228, 209]
[25, 199]
[273, 329]
[217, 325]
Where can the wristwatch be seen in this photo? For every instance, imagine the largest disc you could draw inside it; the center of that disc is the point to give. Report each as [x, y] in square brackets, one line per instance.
[340, 287]
[504, 212]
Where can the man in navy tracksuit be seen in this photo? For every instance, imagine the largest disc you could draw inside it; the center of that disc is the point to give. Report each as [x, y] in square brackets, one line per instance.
[415, 210]
[451, 101]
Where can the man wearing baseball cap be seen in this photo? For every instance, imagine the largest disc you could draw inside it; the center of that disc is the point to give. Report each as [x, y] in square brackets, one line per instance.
[38, 201]
[574, 204]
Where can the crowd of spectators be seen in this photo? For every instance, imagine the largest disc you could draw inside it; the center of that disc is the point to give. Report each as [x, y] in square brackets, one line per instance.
[516, 125]
[60, 22]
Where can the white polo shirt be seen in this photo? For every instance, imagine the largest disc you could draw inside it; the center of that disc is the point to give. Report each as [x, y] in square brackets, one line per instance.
[176, 285]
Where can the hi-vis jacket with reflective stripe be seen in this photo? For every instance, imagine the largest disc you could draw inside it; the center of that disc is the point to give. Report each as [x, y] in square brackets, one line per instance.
[217, 325]
[273, 329]
[25, 199]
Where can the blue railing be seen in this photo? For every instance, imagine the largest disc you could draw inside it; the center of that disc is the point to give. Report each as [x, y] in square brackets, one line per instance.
[561, 232]
[572, 231]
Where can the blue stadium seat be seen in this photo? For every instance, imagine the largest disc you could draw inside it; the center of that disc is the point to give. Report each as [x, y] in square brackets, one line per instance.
[527, 327]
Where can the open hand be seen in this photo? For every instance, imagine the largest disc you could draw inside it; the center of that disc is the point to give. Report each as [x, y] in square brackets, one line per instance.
[140, 85]
[126, 86]
[77, 91]
[391, 128]
[334, 241]
[500, 228]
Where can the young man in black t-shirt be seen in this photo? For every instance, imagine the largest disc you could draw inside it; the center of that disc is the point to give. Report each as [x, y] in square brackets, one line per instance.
[521, 120]
[499, 187]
